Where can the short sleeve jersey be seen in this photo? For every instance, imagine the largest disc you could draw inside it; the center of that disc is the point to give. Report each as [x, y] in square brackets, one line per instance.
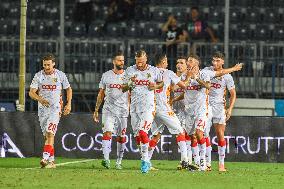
[142, 99]
[115, 101]
[195, 95]
[218, 88]
[163, 94]
[50, 86]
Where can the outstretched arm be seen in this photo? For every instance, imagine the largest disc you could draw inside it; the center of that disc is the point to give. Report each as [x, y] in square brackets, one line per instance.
[235, 68]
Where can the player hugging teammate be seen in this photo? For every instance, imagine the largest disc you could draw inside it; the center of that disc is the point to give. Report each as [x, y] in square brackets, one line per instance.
[144, 91]
[149, 88]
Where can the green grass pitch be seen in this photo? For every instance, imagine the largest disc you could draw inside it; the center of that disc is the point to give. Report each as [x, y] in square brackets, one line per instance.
[16, 173]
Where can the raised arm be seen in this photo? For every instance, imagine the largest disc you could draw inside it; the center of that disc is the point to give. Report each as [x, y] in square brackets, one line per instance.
[166, 25]
[235, 68]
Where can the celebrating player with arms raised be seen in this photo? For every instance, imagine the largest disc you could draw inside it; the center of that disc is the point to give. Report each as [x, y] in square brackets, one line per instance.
[115, 109]
[46, 88]
[142, 80]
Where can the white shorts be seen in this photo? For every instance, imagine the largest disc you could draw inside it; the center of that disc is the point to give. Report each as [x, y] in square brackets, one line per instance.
[168, 119]
[115, 124]
[208, 122]
[49, 119]
[194, 121]
[141, 121]
[218, 114]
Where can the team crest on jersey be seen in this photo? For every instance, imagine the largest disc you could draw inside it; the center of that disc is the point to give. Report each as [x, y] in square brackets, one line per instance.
[55, 80]
[148, 75]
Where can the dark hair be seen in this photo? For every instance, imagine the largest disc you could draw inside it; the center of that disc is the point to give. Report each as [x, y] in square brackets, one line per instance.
[194, 8]
[195, 56]
[181, 57]
[140, 53]
[118, 53]
[49, 56]
[159, 58]
[219, 54]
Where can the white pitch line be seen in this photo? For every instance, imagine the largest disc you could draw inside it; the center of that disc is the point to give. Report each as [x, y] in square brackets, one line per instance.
[66, 163]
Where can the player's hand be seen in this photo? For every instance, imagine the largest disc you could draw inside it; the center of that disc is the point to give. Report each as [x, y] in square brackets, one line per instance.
[238, 67]
[152, 86]
[67, 109]
[44, 102]
[133, 78]
[96, 116]
[228, 114]
[214, 40]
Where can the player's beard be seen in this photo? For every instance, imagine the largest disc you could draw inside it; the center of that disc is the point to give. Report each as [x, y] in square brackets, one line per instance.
[119, 67]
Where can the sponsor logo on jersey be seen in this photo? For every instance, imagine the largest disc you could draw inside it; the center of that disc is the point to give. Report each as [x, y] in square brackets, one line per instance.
[179, 90]
[142, 82]
[215, 85]
[49, 87]
[194, 87]
[117, 86]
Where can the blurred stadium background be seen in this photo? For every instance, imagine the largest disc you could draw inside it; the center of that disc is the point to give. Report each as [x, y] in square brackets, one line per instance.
[255, 31]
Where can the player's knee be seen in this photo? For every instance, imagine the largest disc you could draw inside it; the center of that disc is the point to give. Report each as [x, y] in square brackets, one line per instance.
[49, 135]
[199, 134]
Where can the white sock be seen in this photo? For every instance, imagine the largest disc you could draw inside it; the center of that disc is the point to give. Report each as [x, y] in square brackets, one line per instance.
[195, 154]
[150, 153]
[222, 152]
[120, 152]
[183, 150]
[106, 145]
[51, 159]
[189, 152]
[208, 155]
[45, 155]
[144, 151]
[202, 150]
